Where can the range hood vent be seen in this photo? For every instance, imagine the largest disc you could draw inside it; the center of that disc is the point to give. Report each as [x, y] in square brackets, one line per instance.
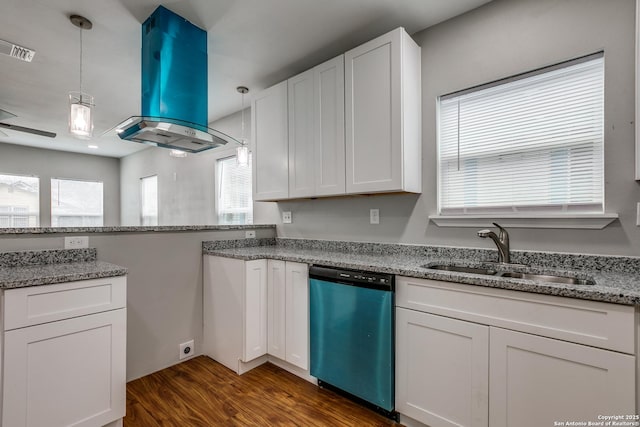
[174, 87]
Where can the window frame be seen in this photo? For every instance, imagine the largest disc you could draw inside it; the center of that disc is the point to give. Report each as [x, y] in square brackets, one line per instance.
[75, 180]
[142, 201]
[38, 213]
[534, 219]
[218, 187]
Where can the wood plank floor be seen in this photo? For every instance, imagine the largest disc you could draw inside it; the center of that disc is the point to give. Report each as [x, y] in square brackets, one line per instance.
[201, 392]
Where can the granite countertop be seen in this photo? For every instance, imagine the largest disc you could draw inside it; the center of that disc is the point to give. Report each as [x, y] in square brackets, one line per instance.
[618, 284]
[46, 267]
[131, 229]
[48, 274]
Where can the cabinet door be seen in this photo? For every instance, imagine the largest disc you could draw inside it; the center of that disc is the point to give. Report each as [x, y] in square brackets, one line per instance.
[270, 144]
[441, 370]
[276, 335]
[536, 381]
[373, 115]
[70, 372]
[297, 314]
[328, 98]
[301, 127]
[255, 310]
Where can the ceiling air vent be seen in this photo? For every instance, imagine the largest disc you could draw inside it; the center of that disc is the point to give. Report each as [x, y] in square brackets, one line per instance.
[15, 51]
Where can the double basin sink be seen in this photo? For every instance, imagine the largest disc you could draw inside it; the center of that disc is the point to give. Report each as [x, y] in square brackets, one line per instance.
[545, 278]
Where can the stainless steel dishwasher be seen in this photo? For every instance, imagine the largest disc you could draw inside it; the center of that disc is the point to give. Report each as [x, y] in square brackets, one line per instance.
[352, 334]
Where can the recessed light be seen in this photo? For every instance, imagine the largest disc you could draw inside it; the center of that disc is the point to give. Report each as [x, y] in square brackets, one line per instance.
[92, 146]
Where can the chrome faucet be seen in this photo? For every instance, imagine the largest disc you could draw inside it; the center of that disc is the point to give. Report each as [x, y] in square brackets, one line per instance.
[501, 241]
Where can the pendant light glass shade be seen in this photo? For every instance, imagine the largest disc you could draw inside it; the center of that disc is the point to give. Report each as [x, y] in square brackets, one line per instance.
[81, 115]
[80, 104]
[242, 155]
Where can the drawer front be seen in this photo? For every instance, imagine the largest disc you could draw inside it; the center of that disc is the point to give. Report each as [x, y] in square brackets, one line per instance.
[48, 303]
[593, 323]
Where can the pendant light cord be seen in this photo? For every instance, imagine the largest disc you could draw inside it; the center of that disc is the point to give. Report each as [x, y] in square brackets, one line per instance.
[242, 131]
[81, 65]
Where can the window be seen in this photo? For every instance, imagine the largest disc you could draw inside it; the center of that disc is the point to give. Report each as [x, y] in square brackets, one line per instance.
[234, 202]
[19, 201]
[529, 144]
[149, 200]
[76, 203]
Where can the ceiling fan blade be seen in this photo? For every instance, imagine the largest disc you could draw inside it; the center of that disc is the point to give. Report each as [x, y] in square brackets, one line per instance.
[4, 114]
[28, 130]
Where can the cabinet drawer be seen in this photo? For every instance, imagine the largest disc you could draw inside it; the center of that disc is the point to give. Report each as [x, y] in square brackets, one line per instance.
[48, 303]
[593, 323]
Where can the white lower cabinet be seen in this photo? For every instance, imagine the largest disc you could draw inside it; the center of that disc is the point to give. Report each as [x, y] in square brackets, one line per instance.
[483, 368]
[442, 370]
[235, 311]
[288, 300]
[254, 308]
[67, 370]
[535, 381]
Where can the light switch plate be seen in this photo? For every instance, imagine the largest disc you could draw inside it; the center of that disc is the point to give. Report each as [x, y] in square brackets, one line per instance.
[374, 216]
[286, 217]
[76, 242]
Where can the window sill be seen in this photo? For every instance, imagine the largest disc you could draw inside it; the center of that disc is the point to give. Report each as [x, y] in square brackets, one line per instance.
[576, 221]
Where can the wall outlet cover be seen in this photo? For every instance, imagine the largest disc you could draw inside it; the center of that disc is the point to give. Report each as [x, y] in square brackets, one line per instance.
[187, 349]
[76, 242]
[286, 217]
[374, 216]
[250, 234]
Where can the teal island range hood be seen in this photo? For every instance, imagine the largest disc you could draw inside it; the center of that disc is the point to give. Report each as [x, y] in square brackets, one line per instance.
[174, 87]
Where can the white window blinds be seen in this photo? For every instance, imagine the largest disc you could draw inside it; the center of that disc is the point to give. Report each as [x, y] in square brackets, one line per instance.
[533, 143]
[235, 203]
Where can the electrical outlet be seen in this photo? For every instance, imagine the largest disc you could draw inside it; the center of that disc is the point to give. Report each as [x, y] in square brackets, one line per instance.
[286, 217]
[187, 349]
[374, 216]
[250, 234]
[76, 242]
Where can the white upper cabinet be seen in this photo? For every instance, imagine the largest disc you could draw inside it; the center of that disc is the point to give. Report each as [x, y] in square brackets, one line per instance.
[270, 144]
[328, 94]
[383, 115]
[351, 125]
[301, 123]
[316, 131]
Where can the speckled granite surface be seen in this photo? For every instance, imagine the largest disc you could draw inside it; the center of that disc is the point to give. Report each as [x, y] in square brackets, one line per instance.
[617, 279]
[33, 268]
[47, 256]
[131, 229]
[19, 277]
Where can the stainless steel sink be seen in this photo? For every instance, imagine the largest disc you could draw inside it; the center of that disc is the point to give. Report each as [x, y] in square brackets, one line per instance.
[461, 269]
[547, 278]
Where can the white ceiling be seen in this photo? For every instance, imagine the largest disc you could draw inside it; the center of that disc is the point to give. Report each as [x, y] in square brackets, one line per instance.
[255, 43]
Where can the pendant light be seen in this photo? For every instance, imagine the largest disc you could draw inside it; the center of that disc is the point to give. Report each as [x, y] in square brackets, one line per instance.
[81, 104]
[242, 152]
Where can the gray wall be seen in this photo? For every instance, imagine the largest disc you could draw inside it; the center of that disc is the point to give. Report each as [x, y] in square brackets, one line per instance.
[186, 186]
[47, 164]
[164, 287]
[500, 39]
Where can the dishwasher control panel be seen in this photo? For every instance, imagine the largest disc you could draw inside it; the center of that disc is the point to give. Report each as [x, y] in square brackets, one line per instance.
[354, 277]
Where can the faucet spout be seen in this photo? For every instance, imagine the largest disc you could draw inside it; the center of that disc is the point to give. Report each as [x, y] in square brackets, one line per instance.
[501, 241]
